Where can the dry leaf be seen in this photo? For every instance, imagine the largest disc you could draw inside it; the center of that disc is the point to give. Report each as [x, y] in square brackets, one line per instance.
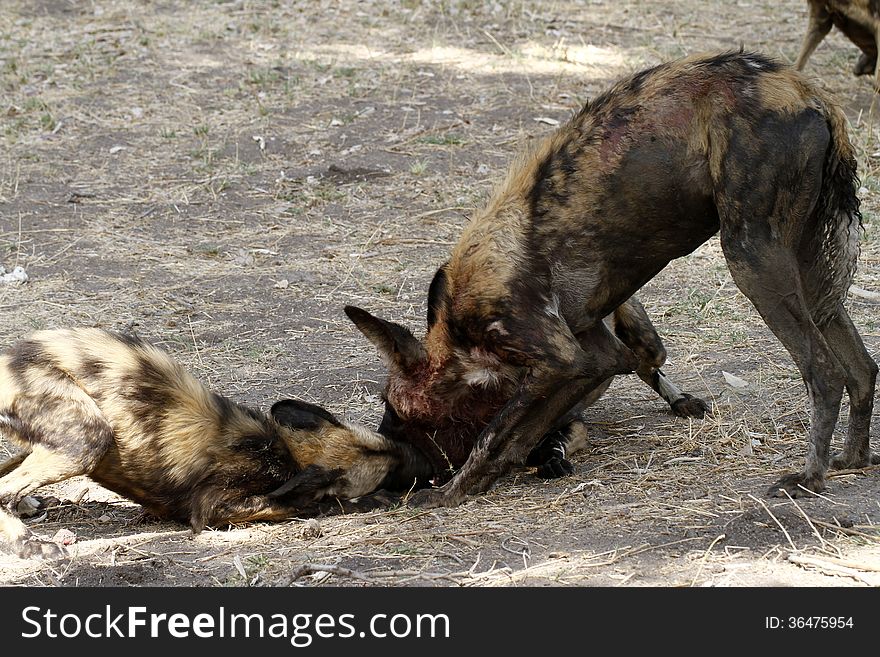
[239, 566]
[64, 537]
[734, 381]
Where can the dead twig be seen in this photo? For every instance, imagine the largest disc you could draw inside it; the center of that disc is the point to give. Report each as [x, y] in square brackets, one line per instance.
[849, 531]
[314, 568]
[830, 566]
[720, 537]
[776, 520]
[807, 518]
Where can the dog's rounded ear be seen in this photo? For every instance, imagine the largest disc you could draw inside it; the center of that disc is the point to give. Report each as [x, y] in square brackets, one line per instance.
[298, 414]
[396, 344]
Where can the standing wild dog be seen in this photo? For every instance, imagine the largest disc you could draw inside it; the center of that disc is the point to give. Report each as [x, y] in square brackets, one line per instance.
[115, 408]
[859, 20]
[643, 174]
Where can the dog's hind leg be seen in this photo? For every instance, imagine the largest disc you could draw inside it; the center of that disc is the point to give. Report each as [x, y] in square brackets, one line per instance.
[769, 277]
[861, 376]
[767, 215]
[819, 26]
[39, 468]
[64, 436]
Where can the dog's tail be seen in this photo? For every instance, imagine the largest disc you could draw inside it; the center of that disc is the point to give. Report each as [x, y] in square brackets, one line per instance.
[834, 244]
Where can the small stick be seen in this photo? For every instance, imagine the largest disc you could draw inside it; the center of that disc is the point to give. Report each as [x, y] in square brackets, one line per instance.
[819, 495]
[864, 294]
[501, 47]
[847, 563]
[195, 342]
[846, 530]
[859, 471]
[429, 213]
[807, 518]
[776, 520]
[705, 557]
[470, 572]
[823, 564]
[312, 568]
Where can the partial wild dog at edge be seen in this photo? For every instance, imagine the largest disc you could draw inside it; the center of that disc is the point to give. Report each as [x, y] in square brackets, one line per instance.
[735, 143]
[113, 407]
[859, 20]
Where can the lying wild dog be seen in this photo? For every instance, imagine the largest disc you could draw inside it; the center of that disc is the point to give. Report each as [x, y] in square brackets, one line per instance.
[643, 174]
[115, 408]
[859, 20]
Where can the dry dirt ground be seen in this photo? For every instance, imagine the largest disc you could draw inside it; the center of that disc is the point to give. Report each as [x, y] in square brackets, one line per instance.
[222, 177]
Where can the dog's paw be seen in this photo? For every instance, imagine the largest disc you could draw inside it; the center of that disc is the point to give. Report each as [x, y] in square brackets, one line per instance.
[35, 548]
[845, 461]
[432, 498]
[865, 65]
[555, 468]
[795, 485]
[690, 406]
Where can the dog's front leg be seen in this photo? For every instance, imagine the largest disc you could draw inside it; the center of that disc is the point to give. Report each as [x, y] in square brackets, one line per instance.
[876, 68]
[819, 25]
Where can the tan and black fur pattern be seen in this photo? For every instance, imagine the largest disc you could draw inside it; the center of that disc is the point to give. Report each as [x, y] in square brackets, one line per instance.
[859, 20]
[113, 407]
[533, 312]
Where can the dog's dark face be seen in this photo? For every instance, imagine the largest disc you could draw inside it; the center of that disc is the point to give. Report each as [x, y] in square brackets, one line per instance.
[437, 398]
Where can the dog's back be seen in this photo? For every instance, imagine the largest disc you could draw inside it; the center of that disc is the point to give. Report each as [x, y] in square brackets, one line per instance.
[135, 420]
[638, 170]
